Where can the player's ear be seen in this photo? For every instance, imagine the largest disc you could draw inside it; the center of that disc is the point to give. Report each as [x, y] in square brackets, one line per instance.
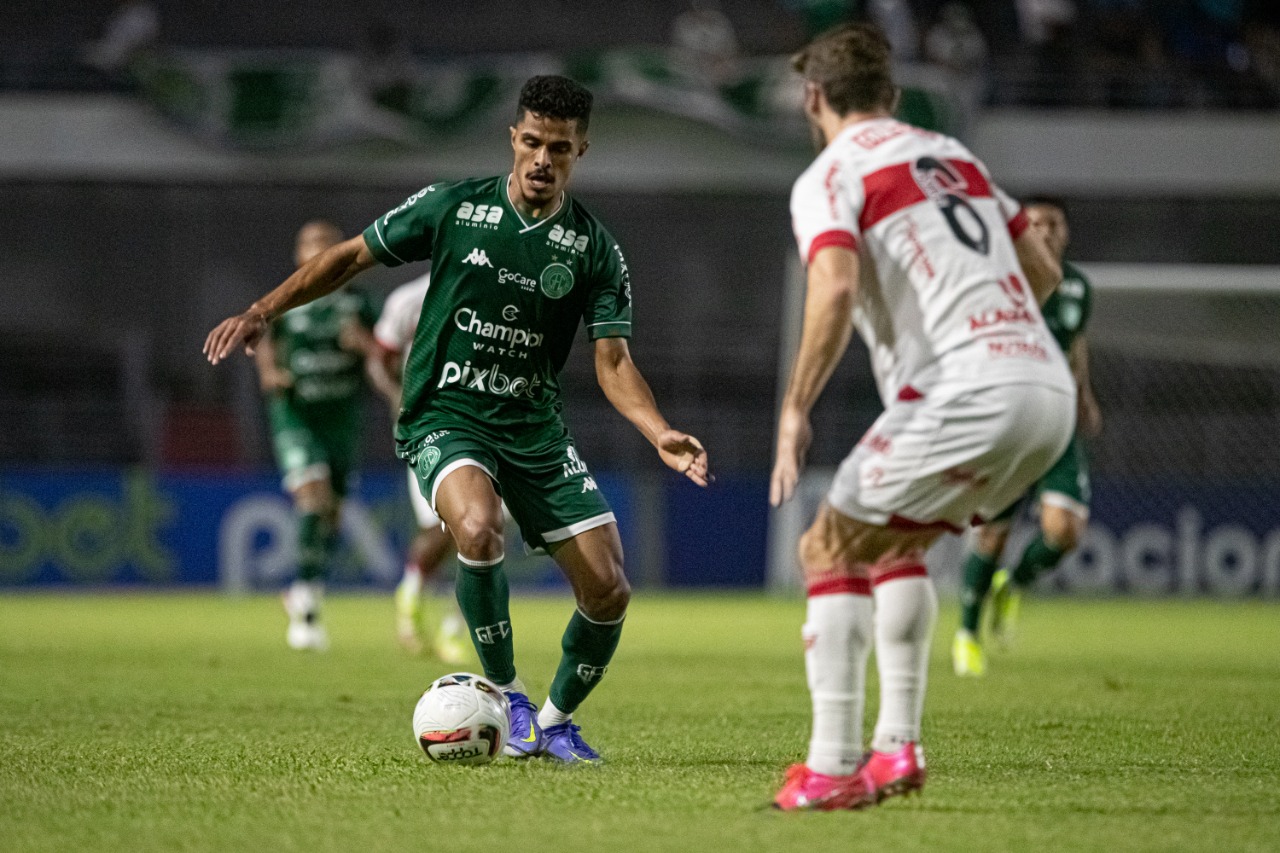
[513, 137]
[582, 149]
[897, 98]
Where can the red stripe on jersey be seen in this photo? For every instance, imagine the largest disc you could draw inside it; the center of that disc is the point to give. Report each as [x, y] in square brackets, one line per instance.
[834, 586]
[888, 190]
[843, 239]
[909, 394]
[1018, 224]
[894, 188]
[979, 186]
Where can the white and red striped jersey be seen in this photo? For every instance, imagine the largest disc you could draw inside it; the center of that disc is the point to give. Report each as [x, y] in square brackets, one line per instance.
[941, 297]
[399, 318]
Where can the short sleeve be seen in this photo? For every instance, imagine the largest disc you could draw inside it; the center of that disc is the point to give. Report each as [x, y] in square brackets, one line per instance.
[399, 318]
[406, 233]
[824, 210]
[608, 310]
[385, 331]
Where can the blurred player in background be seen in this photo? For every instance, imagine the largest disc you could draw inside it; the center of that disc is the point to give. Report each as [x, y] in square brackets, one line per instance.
[1063, 491]
[431, 544]
[310, 363]
[517, 266]
[907, 239]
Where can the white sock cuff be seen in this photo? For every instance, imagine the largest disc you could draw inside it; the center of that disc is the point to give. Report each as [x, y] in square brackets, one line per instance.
[617, 621]
[481, 564]
[549, 715]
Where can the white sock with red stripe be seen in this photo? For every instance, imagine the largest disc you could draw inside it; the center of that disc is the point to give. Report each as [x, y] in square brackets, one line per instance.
[837, 639]
[906, 609]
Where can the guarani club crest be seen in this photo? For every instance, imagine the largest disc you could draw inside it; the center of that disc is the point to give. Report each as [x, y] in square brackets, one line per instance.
[556, 280]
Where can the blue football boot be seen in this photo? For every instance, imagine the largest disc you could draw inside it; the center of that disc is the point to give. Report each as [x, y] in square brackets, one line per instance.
[564, 744]
[526, 735]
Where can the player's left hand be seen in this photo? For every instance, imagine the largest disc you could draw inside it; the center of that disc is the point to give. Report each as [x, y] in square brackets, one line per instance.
[685, 454]
[243, 330]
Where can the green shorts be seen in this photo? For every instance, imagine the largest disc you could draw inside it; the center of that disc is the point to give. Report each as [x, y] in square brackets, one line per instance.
[545, 484]
[1065, 484]
[314, 441]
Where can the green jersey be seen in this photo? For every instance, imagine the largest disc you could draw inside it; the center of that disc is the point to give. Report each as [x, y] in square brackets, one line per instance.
[307, 345]
[1066, 312]
[507, 297]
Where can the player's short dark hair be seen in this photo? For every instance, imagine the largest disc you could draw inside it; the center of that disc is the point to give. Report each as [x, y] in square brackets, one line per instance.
[853, 65]
[1045, 200]
[557, 97]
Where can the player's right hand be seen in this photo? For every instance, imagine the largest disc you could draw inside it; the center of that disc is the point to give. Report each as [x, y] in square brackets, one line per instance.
[243, 330]
[794, 435]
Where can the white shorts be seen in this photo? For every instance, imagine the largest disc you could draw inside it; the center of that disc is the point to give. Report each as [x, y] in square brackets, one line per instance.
[951, 459]
[421, 506]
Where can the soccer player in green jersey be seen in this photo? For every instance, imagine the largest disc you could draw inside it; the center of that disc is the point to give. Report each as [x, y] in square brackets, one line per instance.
[517, 265]
[310, 363]
[1063, 491]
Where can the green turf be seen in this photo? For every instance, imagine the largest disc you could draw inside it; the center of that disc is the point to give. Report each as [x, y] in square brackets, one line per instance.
[183, 723]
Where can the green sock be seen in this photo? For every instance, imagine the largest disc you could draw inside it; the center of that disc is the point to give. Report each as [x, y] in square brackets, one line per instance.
[1039, 558]
[978, 571]
[588, 648]
[316, 540]
[484, 597]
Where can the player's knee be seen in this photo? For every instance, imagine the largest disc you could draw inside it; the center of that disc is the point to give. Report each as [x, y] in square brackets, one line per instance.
[606, 602]
[478, 536]
[1064, 531]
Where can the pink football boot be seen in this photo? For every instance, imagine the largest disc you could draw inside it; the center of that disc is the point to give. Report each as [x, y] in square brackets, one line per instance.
[807, 790]
[890, 774]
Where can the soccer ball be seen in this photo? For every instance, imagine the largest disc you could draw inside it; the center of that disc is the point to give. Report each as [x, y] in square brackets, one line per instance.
[462, 719]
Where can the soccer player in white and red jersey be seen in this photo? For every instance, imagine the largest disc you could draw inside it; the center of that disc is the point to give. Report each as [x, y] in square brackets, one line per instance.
[907, 239]
[393, 334]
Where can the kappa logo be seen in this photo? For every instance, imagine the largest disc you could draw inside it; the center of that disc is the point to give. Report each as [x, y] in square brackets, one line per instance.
[479, 258]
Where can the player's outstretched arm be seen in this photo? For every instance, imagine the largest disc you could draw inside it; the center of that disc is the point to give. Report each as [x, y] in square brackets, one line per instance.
[828, 325]
[1042, 269]
[324, 273]
[627, 390]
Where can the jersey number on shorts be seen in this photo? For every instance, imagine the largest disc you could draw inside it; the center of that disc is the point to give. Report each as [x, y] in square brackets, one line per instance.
[945, 187]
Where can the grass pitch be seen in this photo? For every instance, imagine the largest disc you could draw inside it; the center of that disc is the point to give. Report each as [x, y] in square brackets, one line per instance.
[181, 722]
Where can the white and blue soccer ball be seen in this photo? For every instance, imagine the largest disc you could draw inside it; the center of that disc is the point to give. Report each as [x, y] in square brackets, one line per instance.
[462, 718]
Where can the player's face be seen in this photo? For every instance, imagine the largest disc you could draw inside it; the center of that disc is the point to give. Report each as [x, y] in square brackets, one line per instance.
[314, 238]
[546, 150]
[1051, 224]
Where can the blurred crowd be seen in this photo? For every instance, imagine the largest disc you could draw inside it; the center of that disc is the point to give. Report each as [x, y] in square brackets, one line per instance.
[1141, 53]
